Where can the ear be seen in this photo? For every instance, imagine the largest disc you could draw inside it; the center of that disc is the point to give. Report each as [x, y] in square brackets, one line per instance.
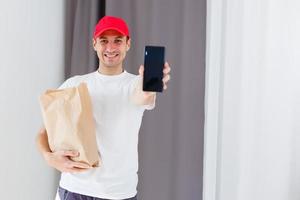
[128, 44]
[94, 44]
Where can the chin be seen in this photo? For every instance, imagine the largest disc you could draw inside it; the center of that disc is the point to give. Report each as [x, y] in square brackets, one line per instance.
[111, 65]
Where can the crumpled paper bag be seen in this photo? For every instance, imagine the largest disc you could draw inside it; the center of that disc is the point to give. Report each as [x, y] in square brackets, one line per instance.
[68, 119]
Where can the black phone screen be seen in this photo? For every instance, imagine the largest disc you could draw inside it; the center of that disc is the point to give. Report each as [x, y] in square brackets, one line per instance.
[153, 68]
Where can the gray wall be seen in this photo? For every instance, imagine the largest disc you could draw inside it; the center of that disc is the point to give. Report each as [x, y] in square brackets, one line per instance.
[32, 59]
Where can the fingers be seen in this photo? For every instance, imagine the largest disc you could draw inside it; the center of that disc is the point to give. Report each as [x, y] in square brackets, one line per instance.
[167, 68]
[71, 164]
[70, 153]
[166, 78]
[78, 165]
[61, 160]
[75, 170]
[75, 167]
[166, 72]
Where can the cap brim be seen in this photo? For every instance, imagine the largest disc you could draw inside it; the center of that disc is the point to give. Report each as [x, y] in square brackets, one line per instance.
[110, 28]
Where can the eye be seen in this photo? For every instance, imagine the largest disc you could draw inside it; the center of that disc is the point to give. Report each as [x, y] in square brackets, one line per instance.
[103, 41]
[118, 41]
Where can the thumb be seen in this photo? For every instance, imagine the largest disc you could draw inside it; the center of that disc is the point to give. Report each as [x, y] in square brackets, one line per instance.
[139, 83]
[141, 71]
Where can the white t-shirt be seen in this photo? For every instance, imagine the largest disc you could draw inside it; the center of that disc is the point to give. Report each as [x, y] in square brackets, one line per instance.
[118, 122]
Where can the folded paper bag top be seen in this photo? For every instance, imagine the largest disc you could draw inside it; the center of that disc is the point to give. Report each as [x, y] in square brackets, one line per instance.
[68, 119]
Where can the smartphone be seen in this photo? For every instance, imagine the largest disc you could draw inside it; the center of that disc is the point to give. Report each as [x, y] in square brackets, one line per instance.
[154, 60]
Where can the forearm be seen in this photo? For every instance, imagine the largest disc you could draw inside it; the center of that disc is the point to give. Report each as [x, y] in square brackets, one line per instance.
[42, 142]
[149, 100]
[59, 160]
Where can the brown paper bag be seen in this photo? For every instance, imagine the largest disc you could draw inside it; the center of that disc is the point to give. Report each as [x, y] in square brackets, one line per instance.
[68, 119]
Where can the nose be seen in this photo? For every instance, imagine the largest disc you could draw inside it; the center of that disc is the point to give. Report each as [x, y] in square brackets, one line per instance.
[110, 46]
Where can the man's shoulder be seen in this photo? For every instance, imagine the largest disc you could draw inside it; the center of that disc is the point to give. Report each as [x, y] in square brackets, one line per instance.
[131, 76]
[77, 79]
[131, 79]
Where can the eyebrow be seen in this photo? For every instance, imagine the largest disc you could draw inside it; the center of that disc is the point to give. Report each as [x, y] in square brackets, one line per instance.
[118, 37]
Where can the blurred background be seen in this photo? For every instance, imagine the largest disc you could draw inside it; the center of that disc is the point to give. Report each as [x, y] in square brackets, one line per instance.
[45, 42]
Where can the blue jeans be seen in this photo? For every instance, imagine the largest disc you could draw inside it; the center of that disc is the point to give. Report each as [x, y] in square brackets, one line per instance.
[67, 195]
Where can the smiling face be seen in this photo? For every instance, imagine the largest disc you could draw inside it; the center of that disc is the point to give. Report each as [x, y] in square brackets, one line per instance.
[111, 48]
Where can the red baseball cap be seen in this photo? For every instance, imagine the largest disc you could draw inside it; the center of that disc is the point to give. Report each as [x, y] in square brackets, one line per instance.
[111, 23]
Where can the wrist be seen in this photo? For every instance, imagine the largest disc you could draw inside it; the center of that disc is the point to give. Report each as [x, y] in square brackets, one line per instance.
[149, 98]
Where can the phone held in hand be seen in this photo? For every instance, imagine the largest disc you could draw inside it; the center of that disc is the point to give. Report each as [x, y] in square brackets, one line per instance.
[154, 59]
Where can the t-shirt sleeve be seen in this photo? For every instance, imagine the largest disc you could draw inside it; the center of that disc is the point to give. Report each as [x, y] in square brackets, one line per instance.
[67, 83]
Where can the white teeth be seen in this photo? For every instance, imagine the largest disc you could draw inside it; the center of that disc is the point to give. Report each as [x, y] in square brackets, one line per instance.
[111, 55]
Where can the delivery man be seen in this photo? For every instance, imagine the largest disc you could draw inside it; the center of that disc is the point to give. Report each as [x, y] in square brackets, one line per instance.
[118, 103]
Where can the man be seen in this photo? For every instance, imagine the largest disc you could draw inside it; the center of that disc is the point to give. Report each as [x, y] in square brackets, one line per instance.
[118, 104]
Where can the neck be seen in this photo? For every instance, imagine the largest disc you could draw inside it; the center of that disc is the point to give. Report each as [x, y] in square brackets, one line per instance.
[110, 70]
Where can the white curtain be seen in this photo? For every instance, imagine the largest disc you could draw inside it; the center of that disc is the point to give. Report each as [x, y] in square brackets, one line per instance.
[252, 126]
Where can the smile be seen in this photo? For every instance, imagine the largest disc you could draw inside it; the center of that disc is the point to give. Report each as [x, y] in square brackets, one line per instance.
[111, 55]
